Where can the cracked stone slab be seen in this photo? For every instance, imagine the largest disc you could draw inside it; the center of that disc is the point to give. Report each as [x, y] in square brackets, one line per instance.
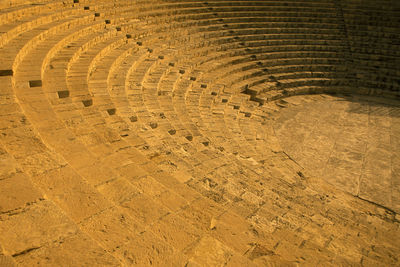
[74, 250]
[351, 142]
[147, 249]
[69, 191]
[16, 192]
[42, 222]
[210, 252]
[106, 227]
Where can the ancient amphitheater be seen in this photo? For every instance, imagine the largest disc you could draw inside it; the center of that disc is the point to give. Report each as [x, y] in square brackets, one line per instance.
[199, 133]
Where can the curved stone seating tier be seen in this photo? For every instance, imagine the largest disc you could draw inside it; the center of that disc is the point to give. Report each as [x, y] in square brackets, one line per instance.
[18, 48]
[373, 33]
[16, 4]
[23, 19]
[28, 150]
[169, 133]
[65, 153]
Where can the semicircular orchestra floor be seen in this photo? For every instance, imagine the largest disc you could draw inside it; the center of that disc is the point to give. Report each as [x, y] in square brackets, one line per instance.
[353, 142]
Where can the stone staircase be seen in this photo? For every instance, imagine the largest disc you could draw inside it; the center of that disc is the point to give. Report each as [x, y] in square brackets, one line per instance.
[131, 133]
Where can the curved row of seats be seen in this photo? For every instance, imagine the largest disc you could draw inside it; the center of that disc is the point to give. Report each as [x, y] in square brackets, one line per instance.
[373, 36]
[128, 121]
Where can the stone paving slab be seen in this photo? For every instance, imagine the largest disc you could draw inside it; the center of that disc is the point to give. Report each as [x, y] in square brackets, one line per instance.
[358, 150]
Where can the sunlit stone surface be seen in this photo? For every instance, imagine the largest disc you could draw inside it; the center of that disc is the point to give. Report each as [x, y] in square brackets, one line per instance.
[352, 142]
[199, 133]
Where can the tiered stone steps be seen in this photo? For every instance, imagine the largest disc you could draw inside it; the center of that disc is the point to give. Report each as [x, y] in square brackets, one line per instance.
[134, 132]
[373, 34]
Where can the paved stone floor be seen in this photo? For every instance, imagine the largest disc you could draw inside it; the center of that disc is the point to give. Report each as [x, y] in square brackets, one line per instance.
[351, 142]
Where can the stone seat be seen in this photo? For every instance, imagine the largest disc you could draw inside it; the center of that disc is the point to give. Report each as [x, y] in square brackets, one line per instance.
[138, 127]
[17, 10]
[15, 48]
[15, 27]
[35, 175]
[81, 171]
[104, 97]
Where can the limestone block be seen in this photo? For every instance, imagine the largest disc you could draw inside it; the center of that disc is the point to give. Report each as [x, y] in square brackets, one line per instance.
[43, 223]
[69, 190]
[72, 250]
[16, 192]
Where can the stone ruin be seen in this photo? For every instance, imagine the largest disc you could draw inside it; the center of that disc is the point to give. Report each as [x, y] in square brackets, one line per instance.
[199, 133]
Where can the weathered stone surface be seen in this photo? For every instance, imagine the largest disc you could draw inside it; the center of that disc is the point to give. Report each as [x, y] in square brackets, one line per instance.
[70, 251]
[340, 140]
[17, 191]
[241, 133]
[217, 253]
[7, 261]
[67, 189]
[42, 223]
